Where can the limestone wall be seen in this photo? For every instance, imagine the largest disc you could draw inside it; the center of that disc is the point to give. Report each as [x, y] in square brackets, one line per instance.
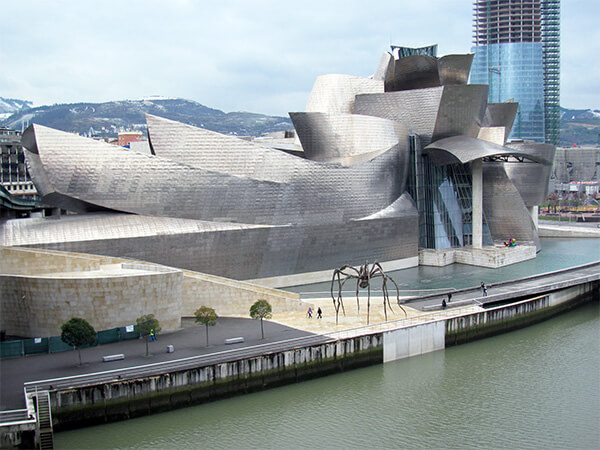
[231, 297]
[38, 306]
[21, 261]
[42, 289]
[491, 257]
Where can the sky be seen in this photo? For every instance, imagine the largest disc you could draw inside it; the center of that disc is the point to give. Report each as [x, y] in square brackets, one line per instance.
[260, 56]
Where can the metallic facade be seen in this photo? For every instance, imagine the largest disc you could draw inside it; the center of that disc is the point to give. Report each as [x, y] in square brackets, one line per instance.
[385, 168]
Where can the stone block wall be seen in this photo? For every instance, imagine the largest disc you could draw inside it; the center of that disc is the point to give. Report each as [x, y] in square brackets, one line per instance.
[42, 289]
[38, 306]
[231, 297]
[22, 261]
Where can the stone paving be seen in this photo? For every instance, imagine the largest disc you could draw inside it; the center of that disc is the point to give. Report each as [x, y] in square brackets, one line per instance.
[191, 340]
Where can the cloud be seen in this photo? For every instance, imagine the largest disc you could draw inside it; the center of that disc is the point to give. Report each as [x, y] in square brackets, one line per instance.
[261, 56]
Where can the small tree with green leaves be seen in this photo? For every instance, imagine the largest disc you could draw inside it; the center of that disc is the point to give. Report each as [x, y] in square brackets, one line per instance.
[78, 332]
[146, 325]
[207, 317]
[261, 310]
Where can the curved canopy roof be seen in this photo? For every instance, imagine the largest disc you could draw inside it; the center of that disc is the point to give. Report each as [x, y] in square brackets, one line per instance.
[464, 149]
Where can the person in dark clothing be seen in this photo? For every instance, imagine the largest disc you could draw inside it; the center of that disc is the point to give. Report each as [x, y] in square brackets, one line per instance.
[449, 297]
[319, 313]
[483, 289]
[443, 303]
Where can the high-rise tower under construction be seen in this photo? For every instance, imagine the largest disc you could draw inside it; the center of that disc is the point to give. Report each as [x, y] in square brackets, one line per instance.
[517, 52]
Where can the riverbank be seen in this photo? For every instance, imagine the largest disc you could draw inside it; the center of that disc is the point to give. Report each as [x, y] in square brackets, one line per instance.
[491, 393]
[86, 403]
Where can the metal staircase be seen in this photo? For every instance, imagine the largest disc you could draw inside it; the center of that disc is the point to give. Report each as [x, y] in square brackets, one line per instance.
[44, 421]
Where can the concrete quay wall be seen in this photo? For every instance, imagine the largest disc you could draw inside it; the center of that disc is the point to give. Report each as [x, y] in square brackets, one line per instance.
[501, 319]
[119, 400]
[123, 399]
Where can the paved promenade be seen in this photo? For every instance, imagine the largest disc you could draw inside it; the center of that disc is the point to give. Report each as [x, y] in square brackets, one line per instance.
[191, 340]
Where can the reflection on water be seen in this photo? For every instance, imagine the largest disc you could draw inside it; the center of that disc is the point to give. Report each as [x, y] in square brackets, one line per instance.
[556, 254]
[538, 387]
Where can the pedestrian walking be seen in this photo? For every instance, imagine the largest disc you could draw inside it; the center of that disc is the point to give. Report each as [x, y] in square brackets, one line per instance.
[483, 289]
[449, 297]
[319, 313]
[309, 312]
[443, 303]
[152, 335]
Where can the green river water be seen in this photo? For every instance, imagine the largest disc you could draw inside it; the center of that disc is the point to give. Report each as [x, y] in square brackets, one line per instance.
[538, 387]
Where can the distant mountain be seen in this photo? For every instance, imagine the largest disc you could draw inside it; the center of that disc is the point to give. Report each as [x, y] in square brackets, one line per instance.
[9, 106]
[107, 119]
[579, 126]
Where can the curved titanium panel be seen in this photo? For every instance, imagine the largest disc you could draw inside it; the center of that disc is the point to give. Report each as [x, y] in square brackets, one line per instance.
[416, 109]
[345, 138]
[504, 209]
[232, 250]
[385, 68]
[531, 179]
[334, 94]
[209, 150]
[500, 115]
[454, 69]
[495, 135]
[464, 149]
[461, 111]
[113, 177]
[405, 205]
[414, 72]
[544, 153]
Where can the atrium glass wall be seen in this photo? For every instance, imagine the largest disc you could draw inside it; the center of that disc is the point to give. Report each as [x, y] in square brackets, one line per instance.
[443, 195]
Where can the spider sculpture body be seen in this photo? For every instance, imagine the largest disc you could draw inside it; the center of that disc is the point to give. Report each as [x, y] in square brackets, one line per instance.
[363, 276]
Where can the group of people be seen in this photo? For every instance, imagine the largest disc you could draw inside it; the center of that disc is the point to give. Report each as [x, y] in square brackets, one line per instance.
[309, 313]
[510, 243]
[483, 293]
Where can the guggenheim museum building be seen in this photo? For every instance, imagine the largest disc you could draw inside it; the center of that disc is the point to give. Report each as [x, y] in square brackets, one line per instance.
[410, 158]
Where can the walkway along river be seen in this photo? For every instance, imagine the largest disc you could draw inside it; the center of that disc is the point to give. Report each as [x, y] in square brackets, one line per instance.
[538, 387]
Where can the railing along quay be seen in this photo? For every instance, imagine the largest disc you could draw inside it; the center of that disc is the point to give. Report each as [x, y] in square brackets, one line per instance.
[153, 369]
[290, 344]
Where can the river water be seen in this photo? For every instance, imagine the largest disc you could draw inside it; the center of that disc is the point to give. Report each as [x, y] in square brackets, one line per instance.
[538, 387]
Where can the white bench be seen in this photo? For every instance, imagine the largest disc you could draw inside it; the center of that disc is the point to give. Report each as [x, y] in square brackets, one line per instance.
[113, 357]
[235, 340]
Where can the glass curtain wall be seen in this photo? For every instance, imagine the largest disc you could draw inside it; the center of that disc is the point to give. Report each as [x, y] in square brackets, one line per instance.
[443, 195]
[514, 71]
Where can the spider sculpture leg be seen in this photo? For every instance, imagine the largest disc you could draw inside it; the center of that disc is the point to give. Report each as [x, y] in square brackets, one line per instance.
[398, 296]
[377, 271]
[336, 301]
[337, 276]
[368, 297]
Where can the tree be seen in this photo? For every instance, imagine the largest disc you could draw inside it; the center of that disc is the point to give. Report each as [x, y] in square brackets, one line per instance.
[206, 316]
[261, 310]
[77, 332]
[146, 325]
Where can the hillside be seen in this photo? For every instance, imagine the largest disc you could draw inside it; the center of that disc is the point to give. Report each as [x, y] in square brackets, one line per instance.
[107, 119]
[579, 126]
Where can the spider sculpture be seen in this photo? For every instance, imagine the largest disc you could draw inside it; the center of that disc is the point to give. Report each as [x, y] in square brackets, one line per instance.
[363, 276]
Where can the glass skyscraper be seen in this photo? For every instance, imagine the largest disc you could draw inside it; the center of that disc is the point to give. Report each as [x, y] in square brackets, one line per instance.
[517, 46]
